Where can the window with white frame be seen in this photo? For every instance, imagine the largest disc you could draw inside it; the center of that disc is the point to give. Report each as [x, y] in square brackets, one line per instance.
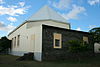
[85, 39]
[57, 40]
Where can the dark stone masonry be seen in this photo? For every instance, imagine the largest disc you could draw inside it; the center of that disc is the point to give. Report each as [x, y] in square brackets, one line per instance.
[51, 53]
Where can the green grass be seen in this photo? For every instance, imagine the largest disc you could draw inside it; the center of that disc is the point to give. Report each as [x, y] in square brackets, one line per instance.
[10, 61]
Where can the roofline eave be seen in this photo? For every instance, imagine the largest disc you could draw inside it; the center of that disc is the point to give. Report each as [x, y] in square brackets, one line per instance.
[36, 21]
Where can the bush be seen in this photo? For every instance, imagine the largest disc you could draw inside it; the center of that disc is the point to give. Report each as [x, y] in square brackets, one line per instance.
[4, 44]
[79, 50]
[78, 46]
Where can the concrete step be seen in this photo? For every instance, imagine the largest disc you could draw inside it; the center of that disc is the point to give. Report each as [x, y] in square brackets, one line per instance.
[27, 56]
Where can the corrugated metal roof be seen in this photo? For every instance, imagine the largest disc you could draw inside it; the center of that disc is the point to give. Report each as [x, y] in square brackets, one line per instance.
[46, 13]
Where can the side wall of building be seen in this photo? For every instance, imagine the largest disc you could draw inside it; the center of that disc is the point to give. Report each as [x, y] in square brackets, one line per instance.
[30, 41]
[48, 50]
[22, 48]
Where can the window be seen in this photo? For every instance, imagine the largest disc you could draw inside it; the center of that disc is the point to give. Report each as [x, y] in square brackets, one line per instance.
[18, 40]
[15, 42]
[85, 39]
[57, 41]
[12, 42]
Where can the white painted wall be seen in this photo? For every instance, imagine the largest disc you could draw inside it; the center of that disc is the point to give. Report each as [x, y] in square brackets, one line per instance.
[27, 42]
[31, 37]
[97, 48]
[49, 23]
[56, 24]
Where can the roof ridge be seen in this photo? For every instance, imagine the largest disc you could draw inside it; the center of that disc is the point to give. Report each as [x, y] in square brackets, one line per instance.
[46, 13]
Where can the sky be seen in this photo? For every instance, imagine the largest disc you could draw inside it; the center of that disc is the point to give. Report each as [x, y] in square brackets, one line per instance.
[83, 15]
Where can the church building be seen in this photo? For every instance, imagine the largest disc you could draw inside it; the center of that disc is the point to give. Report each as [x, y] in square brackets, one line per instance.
[45, 34]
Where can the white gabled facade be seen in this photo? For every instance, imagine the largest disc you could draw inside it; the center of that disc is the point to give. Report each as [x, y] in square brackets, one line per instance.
[30, 41]
[31, 35]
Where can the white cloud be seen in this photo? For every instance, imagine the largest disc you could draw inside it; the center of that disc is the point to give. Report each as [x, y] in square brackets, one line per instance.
[93, 2]
[73, 14]
[79, 29]
[12, 10]
[10, 27]
[1, 1]
[7, 28]
[62, 4]
[91, 26]
[21, 4]
[12, 19]
[2, 24]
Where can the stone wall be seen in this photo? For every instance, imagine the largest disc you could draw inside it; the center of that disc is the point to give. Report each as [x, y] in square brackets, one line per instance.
[51, 53]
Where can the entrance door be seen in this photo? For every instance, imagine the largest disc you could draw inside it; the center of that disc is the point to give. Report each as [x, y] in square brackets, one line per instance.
[33, 42]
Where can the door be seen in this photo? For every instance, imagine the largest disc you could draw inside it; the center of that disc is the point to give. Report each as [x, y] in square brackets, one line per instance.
[33, 42]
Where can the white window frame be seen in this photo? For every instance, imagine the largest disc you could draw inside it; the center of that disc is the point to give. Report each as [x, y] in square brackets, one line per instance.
[57, 36]
[85, 39]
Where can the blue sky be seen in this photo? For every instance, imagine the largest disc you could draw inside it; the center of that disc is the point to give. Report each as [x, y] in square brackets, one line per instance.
[83, 15]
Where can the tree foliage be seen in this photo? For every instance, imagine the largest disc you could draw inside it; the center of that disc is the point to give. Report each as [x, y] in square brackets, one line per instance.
[78, 46]
[96, 34]
[4, 43]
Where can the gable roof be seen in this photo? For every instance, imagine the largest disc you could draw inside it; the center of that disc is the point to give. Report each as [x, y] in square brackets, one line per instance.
[46, 13]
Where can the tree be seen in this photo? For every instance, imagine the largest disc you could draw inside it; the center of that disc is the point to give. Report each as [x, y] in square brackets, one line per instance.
[5, 43]
[78, 49]
[96, 34]
[76, 46]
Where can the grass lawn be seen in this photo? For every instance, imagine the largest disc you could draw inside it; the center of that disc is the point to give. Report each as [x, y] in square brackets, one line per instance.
[10, 61]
